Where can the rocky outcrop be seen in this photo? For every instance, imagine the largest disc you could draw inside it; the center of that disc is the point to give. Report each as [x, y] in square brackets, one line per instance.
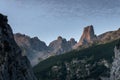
[61, 45]
[88, 37]
[13, 65]
[33, 48]
[115, 70]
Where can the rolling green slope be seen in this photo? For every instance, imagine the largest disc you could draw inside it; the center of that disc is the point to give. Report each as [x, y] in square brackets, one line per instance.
[98, 57]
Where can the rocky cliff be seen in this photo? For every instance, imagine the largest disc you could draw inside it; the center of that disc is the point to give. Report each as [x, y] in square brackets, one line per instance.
[88, 37]
[13, 65]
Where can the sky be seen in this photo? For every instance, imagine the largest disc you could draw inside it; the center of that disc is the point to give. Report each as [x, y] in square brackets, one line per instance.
[48, 19]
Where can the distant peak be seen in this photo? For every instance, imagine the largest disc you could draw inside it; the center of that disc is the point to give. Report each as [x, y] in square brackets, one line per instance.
[59, 38]
[87, 37]
[72, 39]
[89, 29]
[36, 38]
[89, 26]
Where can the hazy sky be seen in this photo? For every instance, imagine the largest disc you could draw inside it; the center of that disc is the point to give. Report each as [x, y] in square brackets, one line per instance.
[49, 19]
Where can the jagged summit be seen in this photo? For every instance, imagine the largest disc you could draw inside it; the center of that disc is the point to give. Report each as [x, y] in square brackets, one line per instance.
[61, 45]
[13, 66]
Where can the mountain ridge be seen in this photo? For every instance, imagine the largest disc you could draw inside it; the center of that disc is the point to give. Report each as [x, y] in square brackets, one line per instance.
[37, 50]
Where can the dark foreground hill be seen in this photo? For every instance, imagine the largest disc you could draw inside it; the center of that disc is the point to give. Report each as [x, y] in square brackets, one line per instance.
[92, 63]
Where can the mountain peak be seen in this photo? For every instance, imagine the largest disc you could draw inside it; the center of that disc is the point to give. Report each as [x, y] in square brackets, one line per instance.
[59, 38]
[61, 45]
[87, 37]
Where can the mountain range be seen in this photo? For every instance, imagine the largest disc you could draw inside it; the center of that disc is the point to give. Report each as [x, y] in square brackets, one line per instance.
[37, 50]
[92, 58]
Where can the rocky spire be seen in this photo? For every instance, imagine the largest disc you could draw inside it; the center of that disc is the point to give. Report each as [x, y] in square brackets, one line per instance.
[87, 37]
[13, 66]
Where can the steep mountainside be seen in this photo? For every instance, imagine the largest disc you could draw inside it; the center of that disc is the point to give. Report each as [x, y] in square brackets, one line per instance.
[13, 65]
[91, 63]
[33, 48]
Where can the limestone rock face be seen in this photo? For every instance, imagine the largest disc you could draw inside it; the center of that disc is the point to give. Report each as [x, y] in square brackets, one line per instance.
[87, 37]
[115, 70]
[13, 66]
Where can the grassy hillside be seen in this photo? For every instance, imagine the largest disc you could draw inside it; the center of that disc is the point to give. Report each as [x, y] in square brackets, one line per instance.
[92, 55]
